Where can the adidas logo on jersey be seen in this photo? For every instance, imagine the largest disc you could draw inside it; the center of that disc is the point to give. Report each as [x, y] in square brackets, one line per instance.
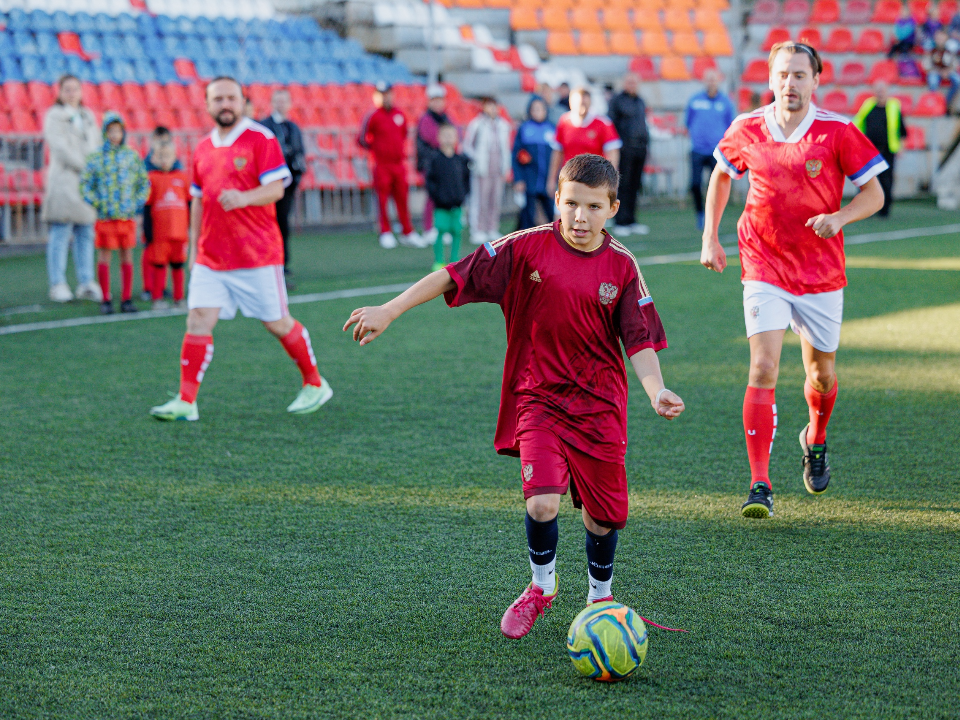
[535, 276]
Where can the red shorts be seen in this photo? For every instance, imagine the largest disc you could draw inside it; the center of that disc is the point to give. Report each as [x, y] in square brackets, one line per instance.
[549, 465]
[116, 234]
[163, 252]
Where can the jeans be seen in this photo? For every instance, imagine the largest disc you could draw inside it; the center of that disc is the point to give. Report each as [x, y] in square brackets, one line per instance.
[934, 79]
[57, 244]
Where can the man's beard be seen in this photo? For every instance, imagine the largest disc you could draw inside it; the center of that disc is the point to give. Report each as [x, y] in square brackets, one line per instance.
[230, 119]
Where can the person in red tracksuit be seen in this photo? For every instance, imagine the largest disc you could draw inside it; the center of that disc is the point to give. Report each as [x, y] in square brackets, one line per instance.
[384, 134]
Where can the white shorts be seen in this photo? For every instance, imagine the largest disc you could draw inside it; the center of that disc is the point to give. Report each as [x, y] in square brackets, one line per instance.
[260, 293]
[814, 316]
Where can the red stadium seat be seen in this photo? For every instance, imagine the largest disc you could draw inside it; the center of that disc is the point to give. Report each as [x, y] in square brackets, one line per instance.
[23, 121]
[756, 72]
[859, 100]
[795, 12]
[91, 97]
[916, 138]
[110, 94]
[810, 36]
[186, 118]
[138, 120]
[765, 12]
[164, 117]
[701, 65]
[41, 96]
[857, 12]
[643, 67]
[185, 69]
[260, 93]
[825, 12]
[919, 10]
[5, 126]
[886, 12]
[16, 94]
[133, 97]
[298, 94]
[948, 8]
[885, 70]
[176, 95]
[840, 40]
[931, 104]
[853, 73]
[871, 42]
[906, 103]
[835, 101]
[776, 35]
[155, 96]
[827, 77]
[744, 99]
[196, 94]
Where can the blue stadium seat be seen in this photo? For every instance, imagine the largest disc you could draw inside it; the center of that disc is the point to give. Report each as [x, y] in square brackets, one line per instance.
[319, 48]
[300, 49]
[41, 21]
[78, 67]
[132, 44]
[62, 22]
[204, 26]
[185, 26]
[193, 48]
[256, 28]
[164, 70]
[32, 67]
[10, 69]
[152, 46]
[127, 23]
[204, 68]
[47, 43]
[91, 42]
[351, 73]
[6, 44]
[105, 23]
[166, 25]
[99, 71]
[147, 24]
[276, 30]
[144, 70]
[211, 47]
[111, 47]
[84, 22]
[122, 70]
[24, 44]
[17, 19]
[56, 65]
[173, 46]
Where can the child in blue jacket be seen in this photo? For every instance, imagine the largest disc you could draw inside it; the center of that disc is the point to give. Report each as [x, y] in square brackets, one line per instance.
[531, 162]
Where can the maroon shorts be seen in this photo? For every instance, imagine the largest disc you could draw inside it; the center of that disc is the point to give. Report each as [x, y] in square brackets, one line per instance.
[548, 465]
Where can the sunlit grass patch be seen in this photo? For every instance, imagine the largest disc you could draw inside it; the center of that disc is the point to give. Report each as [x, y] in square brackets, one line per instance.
[887, 263]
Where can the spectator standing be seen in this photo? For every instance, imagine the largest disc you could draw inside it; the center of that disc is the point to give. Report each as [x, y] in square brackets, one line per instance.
[941, 64]
[532, 149]
[291, 143]
[428, 144]
[70, 133]
[166, 220]
[709, 114]
[448, 183]
[881, 120]
[384, 134]
[580, 131]
[115, 183]
[563, 97]
[487, 144]
[629, 115]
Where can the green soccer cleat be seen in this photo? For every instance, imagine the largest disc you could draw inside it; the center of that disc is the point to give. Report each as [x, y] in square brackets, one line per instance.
[310, 398]
[176, 409]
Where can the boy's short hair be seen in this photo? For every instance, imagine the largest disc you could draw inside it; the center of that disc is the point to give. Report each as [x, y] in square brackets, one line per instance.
[447, 126]
[161, 133]
[594, 171]
[794, 48]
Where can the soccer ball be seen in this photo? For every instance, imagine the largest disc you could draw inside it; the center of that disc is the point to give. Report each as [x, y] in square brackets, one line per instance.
[607, 641]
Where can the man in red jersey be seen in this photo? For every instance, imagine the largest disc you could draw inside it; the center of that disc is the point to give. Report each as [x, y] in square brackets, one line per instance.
[581, 131]
[791, 250]
[236, 250]
[384, 134]
[571, 295]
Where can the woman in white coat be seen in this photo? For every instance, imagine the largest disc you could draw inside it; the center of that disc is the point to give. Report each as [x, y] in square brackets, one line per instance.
[487, 144]
[70, 132]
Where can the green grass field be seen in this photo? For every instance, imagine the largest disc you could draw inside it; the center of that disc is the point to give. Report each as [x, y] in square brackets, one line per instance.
[355, 563]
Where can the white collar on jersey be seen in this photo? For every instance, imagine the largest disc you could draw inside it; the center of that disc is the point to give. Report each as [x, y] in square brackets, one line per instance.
[769, 114]
[238, 129]
[577, 123]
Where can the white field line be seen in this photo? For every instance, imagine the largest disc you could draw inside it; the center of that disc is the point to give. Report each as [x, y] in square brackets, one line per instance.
[400, 287]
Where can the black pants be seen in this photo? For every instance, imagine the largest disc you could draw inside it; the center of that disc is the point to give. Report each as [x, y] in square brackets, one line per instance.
[632, 161]
[699, 163]
[886, 183]
[284, 206]
[528, 214]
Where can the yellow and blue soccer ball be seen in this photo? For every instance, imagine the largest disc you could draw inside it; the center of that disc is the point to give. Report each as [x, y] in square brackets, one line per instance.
[607, 641]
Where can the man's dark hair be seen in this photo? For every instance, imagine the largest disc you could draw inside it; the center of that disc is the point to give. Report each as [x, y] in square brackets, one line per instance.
[220, 78]
[594, 171]
[161, 133]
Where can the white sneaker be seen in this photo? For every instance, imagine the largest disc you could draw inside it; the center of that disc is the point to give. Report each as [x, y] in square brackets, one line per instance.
[61, 293]
[622, 230]
[388, 240]
[413, 240]
[447, 239]
[310, 398]
[161, 305]
[640, 229]
[478, 238]
[176, 409]
[90, 291]
[430, 236]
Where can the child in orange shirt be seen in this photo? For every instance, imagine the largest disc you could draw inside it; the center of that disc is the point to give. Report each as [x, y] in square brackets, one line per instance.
[166, 218]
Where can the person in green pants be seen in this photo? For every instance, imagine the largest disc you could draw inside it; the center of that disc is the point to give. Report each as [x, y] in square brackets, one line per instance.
[448, 182]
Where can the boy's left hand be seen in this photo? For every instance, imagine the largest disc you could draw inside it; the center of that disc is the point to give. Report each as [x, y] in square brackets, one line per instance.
[232, 200]
[668, 405]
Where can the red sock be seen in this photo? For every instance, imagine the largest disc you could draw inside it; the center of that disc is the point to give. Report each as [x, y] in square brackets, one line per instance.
[177, 283]
[103, 274]
[146, 270]
[297, 344]
[159, 281]
[760, 427]
[195, 357]
[821, 405]
[126, 281]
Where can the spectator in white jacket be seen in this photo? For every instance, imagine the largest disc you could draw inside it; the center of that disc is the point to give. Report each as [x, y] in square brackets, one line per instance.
[487, 144]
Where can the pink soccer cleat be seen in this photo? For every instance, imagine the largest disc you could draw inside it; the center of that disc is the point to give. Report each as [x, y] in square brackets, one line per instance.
[519, 617]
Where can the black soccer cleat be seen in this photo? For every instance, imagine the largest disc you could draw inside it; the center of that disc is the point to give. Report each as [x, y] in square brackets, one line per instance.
[106, 308]
[127, 306]
[759, 502]
[816, 470]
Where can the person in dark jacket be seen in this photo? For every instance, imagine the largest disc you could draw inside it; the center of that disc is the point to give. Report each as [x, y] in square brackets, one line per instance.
[448, 182]
[291, 143]
[532, 149]
[629, 115]
[428, 145]
[880, 118]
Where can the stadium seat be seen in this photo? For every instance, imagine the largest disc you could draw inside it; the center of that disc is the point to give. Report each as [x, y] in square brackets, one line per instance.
[825, 12]
[916, 138]
[561, 43]
[810, 36]
[871, 41]
[677, 20]
[827, 77]
[718, 5]
[674, 68]
[624, 43]
[948, 8]
[906, 103]
[701, 65]
[523, 17]
[23, 121]
[856, 12]
[585, 18]
[646, 21]
[593, 43]
[840, 40]
[776, 35]
[707, 19]
[919, 10]
[643, 67]
[133, 97]
[852, 73]
[686, 44]
[795, 12]
[91, 97]
[185, 69]
[931, 104]
[556, 20]
[654, 43]
[40, 94]
[756, 72]
[886, 12]
[859, 100]
[765, 12]
[836, 101]
[616, 19]
[716, 43]
[885, 70]
[110, 96]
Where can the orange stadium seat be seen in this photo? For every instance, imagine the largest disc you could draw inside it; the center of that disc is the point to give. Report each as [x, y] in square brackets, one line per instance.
[810, 36]
[498, 3]
[523, 17]
[756, 72]
[886, 12]
[701, 65]
[707, 19]
[916, 138]
[857, 12]
[852, 73]
[595, 4]
[931, 104]
[646, 20]
[777, 34]
[555, 18]
[714, 5]
[616, 19]
[643, 68]
[717, 43]
[561, 43]
[871, 41]
[593, 42]
[795, 12]
[825, 12]
[674, 68]
[835, 101]
[677, 20]
[624, 43]
[840, 40]
[654, 43]
[681, 4]
[686, 43]
[646, 6]
[885, 70]
[585, 18]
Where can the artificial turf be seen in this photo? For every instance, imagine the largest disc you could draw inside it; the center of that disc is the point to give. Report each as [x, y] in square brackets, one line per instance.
[355, 563]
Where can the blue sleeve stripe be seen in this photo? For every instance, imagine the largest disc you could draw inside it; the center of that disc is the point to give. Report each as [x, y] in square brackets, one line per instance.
[875, 161]
[490, 249]
[730, 168]
[645, 301]
[280, 171]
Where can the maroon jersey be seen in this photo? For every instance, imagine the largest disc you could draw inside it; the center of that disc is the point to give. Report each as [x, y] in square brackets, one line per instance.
[567, 312]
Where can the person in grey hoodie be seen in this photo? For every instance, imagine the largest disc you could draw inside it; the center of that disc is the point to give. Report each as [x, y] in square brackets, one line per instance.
[70, 132]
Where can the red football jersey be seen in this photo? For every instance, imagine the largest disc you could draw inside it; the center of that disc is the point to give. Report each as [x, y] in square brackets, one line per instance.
[595, 136]
[792, 180]
[384, 133]
[249, 237]
[169, 202]
[567, 312]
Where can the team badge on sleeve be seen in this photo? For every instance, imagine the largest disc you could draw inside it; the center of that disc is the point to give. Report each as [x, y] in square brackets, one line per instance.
[814, 167]
[608, 293]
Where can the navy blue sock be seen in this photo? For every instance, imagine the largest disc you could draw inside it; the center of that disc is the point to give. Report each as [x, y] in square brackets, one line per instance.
[600, 552]
[542, 544]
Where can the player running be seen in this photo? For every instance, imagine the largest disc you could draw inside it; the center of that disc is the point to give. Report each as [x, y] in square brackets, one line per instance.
[791, 250]
[236, 251]
[571, 294]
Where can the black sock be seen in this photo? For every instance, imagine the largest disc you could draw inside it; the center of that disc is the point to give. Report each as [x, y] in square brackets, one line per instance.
[542, 544]
[600, 552]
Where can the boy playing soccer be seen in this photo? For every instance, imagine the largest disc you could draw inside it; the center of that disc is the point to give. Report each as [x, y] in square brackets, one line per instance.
[448, 182]
[166, 219]
[570, 294]
[115, 183]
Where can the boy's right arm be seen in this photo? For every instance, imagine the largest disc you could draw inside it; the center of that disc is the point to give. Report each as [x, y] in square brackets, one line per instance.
[372, 321]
